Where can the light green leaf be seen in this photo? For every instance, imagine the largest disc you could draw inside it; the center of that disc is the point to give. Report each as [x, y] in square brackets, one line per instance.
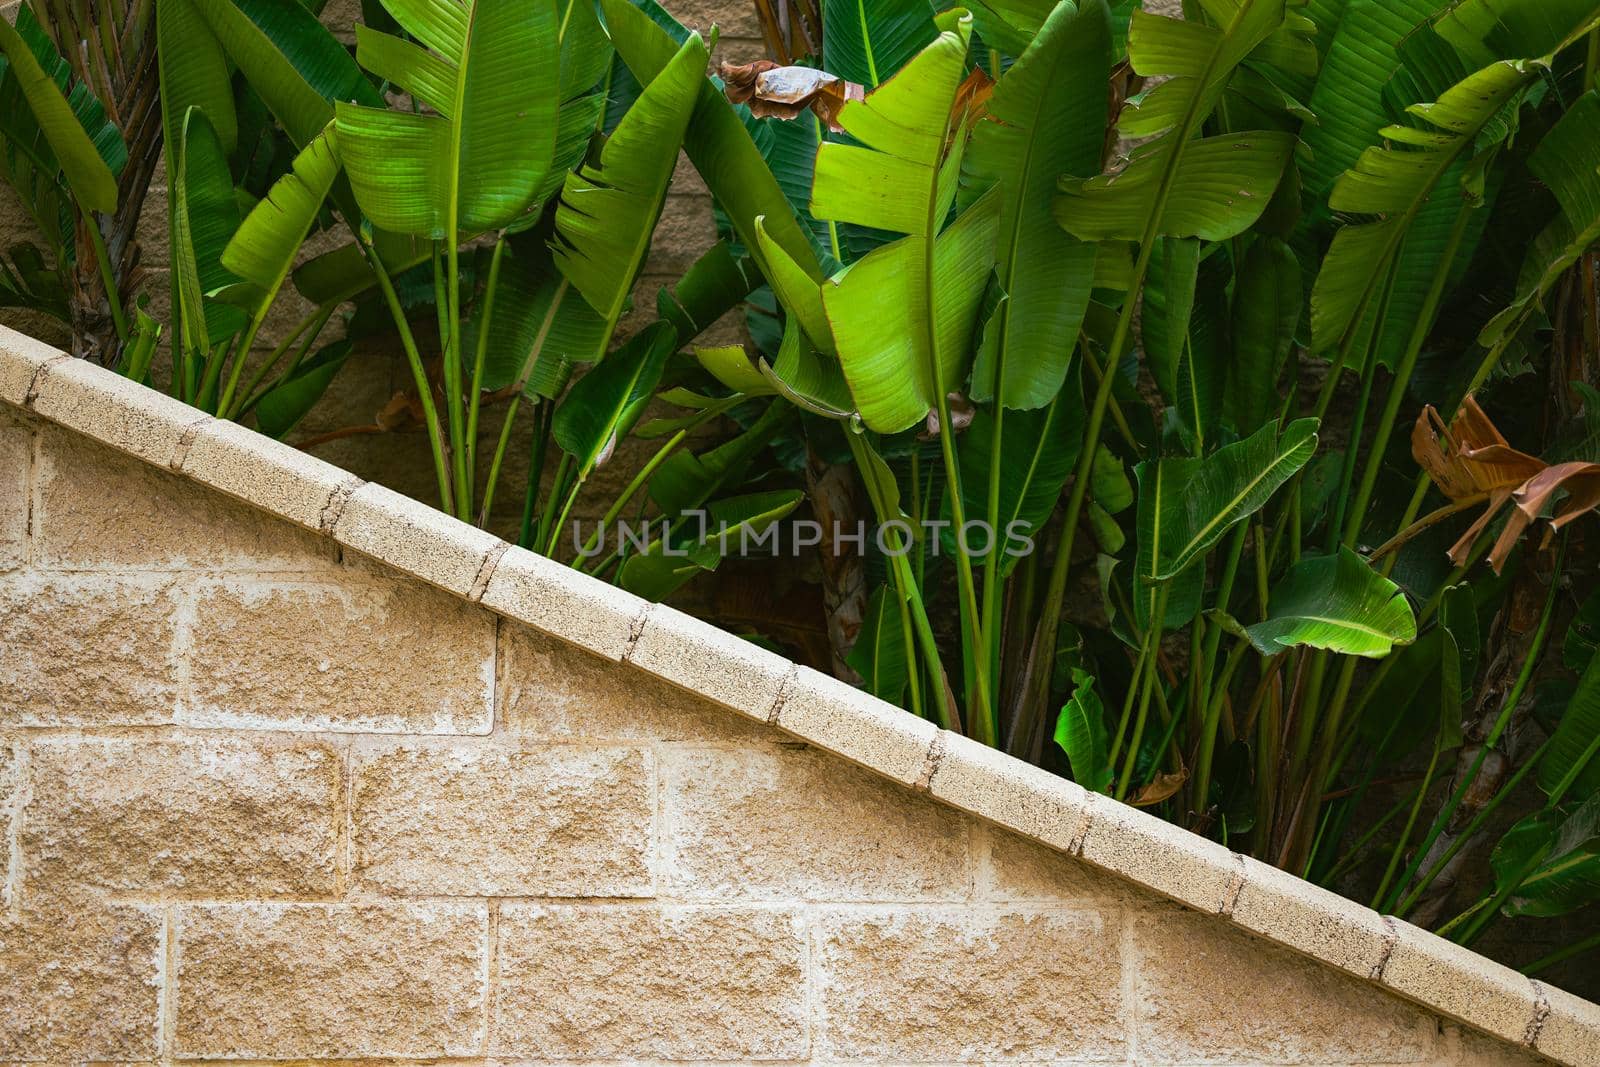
[87, 173]
[1042, 122]
[729, 525]
[265, 245]
[608, 212]
[1187, 504]
[1081, 733]
[205, 215]
[1572, 764]
[729, 365]
[491, 69]
[603, 405]
[194, 72]
[1338, 603]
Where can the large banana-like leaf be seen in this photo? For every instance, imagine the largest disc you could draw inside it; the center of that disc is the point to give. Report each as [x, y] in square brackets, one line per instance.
[1184, 329]
[1487, 30]
[1348, 98]
[1568, 162]
[714, 285]
[1338, 603]
[867, 41]
[194, 72]
[1267, 302]
[1081, 733]
[490, 69]
[1398, 180]
[1554, 859]
[716, 141]
[1187, 504]
[585, 57]
[88, 174]
[264, 247]
[291, 60]
[204, 218]
[1045, 119]
[542, 326]
[1572, 765]
[728, 525]
[687, 481]
[603, 405]
[902, 317]
[880, 655]
[608, 211]
[1215, 187]
[27, 281]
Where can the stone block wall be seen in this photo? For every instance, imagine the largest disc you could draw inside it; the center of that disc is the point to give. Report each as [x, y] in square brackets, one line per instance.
[264, 798]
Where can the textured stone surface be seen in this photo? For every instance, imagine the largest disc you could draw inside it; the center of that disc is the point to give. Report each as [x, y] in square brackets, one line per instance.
[80, 984]
[473, 819]
[212, 817]
[1211, 994]
[100, 509]
[549, 689]
[1486, 994]
[1018, 869]
[364, 654]
[16, 446]
[86, 650]
[277, 981]
[784, 822]
[630, 981]
[845, 721]
[929, 984]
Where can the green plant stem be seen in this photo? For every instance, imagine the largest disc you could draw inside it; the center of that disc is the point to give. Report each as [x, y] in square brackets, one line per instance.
[475, 388]
[313, 321]
[1561, 955]
[1411, 822]
[983, 726]
[909, 591]
[1409, 901]
[108, 277]
[536, 457]
[1402, 377]
[1507, 708]
[1201, 781]
[1152, 641]
[419, 376]
[558, 489]
[495, 461]
[453, 361]
[1352, 854]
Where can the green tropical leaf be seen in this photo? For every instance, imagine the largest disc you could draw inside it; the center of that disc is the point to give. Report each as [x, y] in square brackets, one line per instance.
[1268, 298]
[491, 69]
[1553, 859]
[608, 212]
[1081, 733]
[714, 285]
[291, 60]
[716, 141]
[868, 41]
[1510, 29]
[281, 408]
[1458, 660]
[1043, 121]
[602, 406]
[880, 655]
[1187, 504]
[1338, 603]
[661, 570]
[1571, 766]
[686, 480]
[205, 216]
[194, 72]
[542, 326]
[902, 316]
[1568, 162]
[27, 281]
[265, 245]
[1215, 187]
[88, 174]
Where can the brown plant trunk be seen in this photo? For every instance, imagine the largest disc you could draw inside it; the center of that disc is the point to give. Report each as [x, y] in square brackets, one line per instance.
[835, 496]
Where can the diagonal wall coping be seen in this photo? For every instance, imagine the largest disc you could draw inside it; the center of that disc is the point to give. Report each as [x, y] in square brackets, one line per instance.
[423, 542]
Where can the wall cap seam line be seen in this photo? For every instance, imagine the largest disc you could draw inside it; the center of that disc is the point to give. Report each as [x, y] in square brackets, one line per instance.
[1018, 813]
[486, 569]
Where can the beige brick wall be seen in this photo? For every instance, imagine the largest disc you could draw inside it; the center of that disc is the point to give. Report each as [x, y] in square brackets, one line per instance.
[261, 800]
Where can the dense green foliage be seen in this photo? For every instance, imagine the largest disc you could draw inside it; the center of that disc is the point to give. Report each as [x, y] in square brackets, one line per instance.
[1176, 344]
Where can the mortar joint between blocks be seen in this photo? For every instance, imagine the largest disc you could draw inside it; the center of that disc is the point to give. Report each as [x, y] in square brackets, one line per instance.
[1235, 886]
[486, 569]
[1541, 1012]
[1080, 832]
[180, 451]
[333, 510]
[782, 697]
[930, 763]
[37, 381]
[635, 631]
[1391, 938]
